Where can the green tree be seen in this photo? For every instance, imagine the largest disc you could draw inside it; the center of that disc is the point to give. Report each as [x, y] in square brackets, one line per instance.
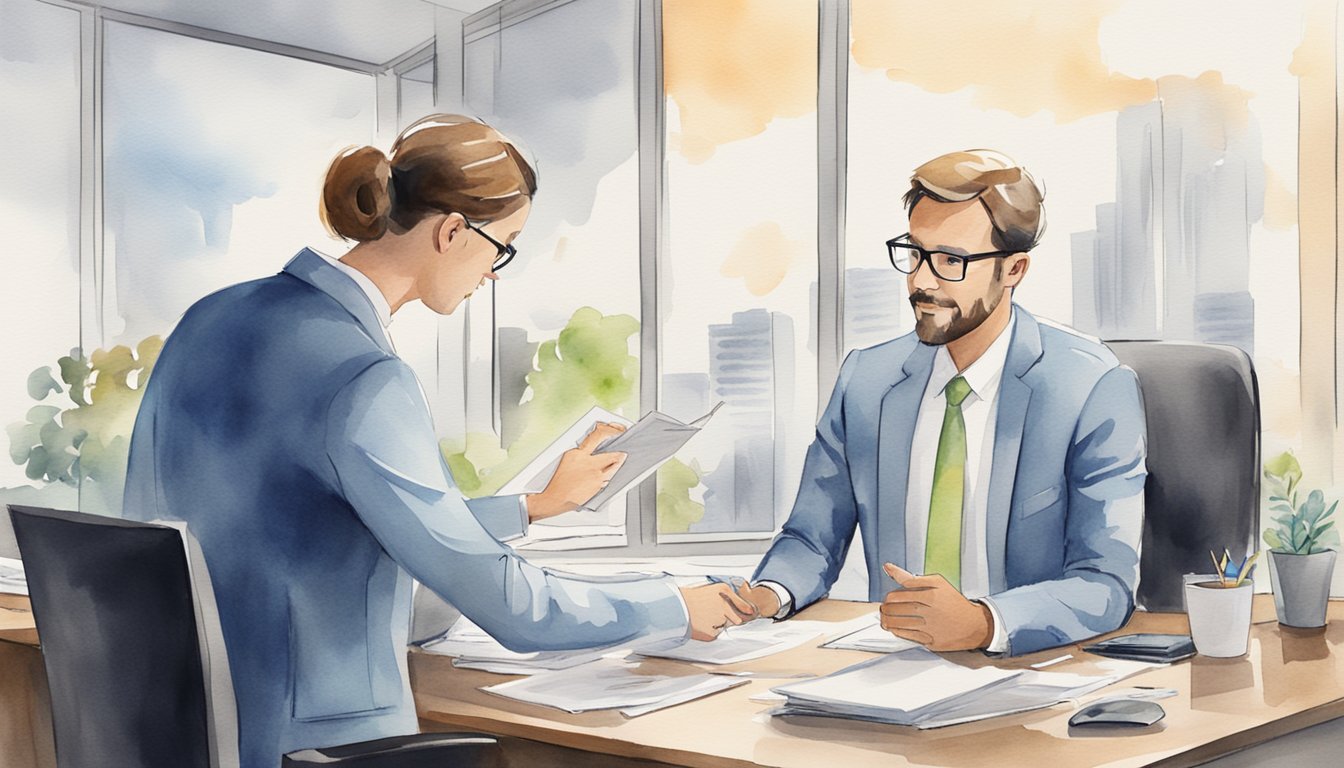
[676, 511]
[87, 438]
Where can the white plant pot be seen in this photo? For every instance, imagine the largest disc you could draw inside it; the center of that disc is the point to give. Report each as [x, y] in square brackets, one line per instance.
[1220, 619]
[1301, 586]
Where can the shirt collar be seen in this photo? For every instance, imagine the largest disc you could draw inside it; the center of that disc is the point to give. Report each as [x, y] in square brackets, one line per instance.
[375, 296]
[985, 373]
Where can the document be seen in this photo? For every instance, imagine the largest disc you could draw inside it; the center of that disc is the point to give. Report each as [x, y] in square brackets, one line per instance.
[753, 640]
[920, 688]
[871, 637]
[12, 579]
[474, 648]
[611, 684]
[647, 443]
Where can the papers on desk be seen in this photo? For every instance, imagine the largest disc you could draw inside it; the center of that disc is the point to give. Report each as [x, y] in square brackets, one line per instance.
[920, 688]
[612, 684]
[12, 579]
[753, 640]
[475, 649]
[871, 637]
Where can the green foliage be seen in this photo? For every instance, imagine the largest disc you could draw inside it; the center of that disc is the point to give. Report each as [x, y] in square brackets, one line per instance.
[88, 437]
[1303, 528]
[588, 363]
[676, 511]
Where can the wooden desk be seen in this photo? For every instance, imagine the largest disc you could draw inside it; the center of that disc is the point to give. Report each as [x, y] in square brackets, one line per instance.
[25, 704]
[1289, 680]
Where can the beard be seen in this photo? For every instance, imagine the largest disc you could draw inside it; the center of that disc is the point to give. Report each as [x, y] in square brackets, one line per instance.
[931, 330]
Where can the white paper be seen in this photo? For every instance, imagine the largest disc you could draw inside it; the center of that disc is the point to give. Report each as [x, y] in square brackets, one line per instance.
[872, 638]
[921, 689]
[753, 640]
[647, 444]
[610, 684]
[904, 682]
[476, 649]
[12, 579]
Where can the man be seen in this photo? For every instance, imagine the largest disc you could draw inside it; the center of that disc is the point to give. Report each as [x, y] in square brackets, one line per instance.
[1000, 457]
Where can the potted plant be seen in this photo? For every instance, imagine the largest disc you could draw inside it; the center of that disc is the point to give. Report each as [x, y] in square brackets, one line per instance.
[1301, 541]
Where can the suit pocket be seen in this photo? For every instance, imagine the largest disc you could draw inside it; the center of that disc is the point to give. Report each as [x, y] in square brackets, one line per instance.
[1039, 501]
[329, 655]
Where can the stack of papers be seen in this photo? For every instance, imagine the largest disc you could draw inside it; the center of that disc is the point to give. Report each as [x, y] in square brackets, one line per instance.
[919, 688]
[611, 684]
[12, 580]
[753, 640]
[475, 649]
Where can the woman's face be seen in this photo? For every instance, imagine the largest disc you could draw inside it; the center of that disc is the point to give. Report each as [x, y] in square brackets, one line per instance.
[462, 262]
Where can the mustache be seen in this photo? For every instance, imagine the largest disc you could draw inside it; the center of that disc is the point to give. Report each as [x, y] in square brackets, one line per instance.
[921, 297]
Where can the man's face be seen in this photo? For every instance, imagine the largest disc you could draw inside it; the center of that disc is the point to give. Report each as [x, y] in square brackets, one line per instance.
[946, 310]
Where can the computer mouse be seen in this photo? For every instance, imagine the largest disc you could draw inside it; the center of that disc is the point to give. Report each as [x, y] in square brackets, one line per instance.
[1122, 712]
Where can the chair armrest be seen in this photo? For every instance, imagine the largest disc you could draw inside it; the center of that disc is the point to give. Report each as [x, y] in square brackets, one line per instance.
[421, 750]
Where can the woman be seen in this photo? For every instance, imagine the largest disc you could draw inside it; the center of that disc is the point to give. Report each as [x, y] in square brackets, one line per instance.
[282, 427]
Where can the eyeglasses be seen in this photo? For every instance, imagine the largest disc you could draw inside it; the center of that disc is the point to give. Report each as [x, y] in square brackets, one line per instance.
[906, 258]
[506, 252]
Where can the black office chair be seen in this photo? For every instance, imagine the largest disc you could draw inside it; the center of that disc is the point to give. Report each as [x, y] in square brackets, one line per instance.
[134, 655]
[1203, 411]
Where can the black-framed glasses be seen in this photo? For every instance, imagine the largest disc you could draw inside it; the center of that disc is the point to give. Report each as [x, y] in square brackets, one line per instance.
[907, 256]
[506, 252]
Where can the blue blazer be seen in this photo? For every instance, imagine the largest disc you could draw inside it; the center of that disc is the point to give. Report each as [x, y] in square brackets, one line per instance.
[298, 448]
[1065, 493]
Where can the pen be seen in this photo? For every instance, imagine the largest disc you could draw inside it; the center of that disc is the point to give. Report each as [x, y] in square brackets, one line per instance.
[736, 583]
[1051, 662]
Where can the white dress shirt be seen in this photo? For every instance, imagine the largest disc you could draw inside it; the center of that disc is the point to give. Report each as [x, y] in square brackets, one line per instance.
[979, 412]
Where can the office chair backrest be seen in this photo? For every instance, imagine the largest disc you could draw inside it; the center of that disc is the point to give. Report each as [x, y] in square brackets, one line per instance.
[1203, 411]
[122, 641]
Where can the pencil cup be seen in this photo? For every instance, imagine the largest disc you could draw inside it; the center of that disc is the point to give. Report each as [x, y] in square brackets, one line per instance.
[1220, 617]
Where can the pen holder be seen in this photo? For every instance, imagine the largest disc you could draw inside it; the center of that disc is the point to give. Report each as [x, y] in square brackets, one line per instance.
[1220, 616]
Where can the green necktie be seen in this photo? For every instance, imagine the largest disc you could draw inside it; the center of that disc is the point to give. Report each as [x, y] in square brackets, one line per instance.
[942, 553]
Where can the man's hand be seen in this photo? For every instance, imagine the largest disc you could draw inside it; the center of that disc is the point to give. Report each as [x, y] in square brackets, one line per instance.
[713, 607]
[580, 475]
[931, 612]
[764, 598]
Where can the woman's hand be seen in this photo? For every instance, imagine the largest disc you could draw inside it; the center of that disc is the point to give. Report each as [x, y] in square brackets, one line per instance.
[580, 475]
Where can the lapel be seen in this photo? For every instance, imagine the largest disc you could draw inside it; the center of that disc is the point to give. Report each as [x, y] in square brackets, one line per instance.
[896, 431]
[1014, 397]
[311, 268]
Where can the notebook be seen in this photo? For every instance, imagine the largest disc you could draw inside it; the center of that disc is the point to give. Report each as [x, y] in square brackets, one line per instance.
[1145, 647]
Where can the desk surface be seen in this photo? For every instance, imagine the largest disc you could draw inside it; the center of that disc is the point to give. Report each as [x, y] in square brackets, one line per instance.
[16, 620]
[1289, 680]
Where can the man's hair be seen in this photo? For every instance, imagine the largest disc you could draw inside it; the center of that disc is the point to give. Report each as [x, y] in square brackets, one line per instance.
[1008, 193]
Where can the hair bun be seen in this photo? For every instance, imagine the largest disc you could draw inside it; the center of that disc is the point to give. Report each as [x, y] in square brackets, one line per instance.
[356, 203]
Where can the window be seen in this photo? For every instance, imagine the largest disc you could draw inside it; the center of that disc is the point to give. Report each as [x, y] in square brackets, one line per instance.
[739, 275]
[40, 257]
[561, 84]
[214, 157]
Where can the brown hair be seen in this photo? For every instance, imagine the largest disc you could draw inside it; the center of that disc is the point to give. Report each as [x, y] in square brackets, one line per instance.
[440, 164]
[1008, 193]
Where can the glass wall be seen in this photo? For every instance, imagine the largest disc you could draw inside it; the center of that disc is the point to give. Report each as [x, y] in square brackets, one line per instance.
[561, 84]
[739, 276]
[39, 257]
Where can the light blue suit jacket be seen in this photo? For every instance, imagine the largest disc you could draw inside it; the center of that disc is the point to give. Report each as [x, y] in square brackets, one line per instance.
[1065, 494]
[299, 450]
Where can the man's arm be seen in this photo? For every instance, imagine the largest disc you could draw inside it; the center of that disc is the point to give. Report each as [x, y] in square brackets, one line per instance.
[806, 557]
[1103, 526]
